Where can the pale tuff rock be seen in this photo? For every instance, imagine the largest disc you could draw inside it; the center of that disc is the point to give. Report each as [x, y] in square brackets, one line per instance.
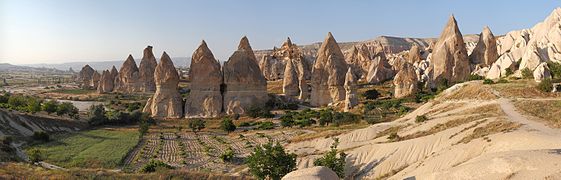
[85, 77]
[290, 83]
[351, 99]
[541, 72]
[485, 53]
[129, 77]
[449, 58]
[205, 99]
[480, 71]
[114, 73]
[95, 80]
[405, 82]
[312, 173]
[146, 69]
[532, 58]
[166, 101]
[272, 68]
[243, 80]
[328, 74]
[273, 65]
[414, 54]
[105, 83]
[359, 59]
[499, 68]
[379, 71]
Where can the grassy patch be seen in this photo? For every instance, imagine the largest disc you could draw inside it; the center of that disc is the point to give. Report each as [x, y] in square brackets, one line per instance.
[100, 148]
[73, 91]
[491, 128]
[549, 111]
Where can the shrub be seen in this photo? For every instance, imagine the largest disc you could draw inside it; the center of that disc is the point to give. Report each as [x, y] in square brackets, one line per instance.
[527, 73]
[330, 160]
[473, 77]
[393, 137]
[555, 69]
[41, 136]
[133, 106]
[270, 161]
[7, 140]
[420, 119]
[262, 112]
[545, 85]
[153, 165]
[488, 81]
[50, 106]
[371, 94]
[17, 101]
[35, 155]
[197, 125]
[340, 118]
[508, 72]
[228, 155]
[266, 125]
[97, 115]
[227, 125]
[246, 124]
[66, 108]
[442, 85]
[33, 105]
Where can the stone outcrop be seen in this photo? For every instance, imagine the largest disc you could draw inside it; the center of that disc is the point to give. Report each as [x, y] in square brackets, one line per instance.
[146, 69]
[205, 98]
[414, 54]
[95, 80]
[501, 67]
[328, 74]
[244, 83]
[85, 77]
[379, 71]
[541, 72]
[351, 99]
[106, 82]
[359, 59]
[405, 81]
[114, 73]
[129, 77]
[485, 52]
[290, 83]
[166, 101]
[312, 173]
[273, 65]
[449, 58]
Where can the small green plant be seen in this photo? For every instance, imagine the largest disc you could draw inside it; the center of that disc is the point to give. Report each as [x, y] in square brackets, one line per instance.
[228, 155]
[527, 73]
[153, 165]
[330, 160]
[227, 125]
[197, 125]
[266, 125]
[41, 136]
[502, 80]
[488, 81]
[508, 72]
[473, 77]
[270, 161]
[393, 137]
[545, 85]
[35, 155]
[371, 94]
[420, 119]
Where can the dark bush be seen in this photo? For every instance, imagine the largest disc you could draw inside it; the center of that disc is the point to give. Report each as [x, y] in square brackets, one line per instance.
[473, 77]
[527, 73]
[153, 165]
[488, 81]
[41, 136]
[266, 125]
[227, 125]
[197, 125]
[555, 69]
[545, 85]
[420, 119]
[262, 112]
[371, 94]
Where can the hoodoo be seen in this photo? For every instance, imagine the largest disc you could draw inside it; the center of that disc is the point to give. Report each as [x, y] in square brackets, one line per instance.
[166, 102]
[129, 77]
[146, 69]
[328, 74]
[449, 58]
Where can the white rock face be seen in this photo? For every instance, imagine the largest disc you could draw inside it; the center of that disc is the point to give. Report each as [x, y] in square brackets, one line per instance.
[328, 74]
[312, 173]
[541, 72]
[166, 101]
[499, 68]
[379, 71]
[351, 99]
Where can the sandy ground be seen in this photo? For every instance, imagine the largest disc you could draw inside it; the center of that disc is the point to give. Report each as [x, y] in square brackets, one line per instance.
[532, 151]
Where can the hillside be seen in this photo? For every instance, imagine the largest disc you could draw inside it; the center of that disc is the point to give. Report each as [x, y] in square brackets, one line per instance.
[486, 137]
[101, 65]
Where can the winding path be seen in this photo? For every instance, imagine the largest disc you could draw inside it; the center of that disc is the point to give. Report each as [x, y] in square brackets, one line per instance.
[513, 115]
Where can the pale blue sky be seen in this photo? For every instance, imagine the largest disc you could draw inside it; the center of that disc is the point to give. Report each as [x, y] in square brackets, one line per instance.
[55, 31]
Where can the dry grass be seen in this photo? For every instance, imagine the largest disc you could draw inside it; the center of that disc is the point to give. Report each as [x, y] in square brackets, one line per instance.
[548, 111]
[472, 91]
[491, 128]
[327, 132]
[390, 130]
[522, 89]
[274, 87]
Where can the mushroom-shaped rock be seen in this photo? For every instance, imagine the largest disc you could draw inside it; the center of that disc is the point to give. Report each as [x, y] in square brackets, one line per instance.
[414, 54]
[205, 98]
[290, 83]
[128, 80]
[166, 101]
[449, 59]
[379, 71]
[328, 74]
[405, 82]
[244, 83]
[351, 99]
[114, 73]
[146, 69]
[313, 173]
[485, 52]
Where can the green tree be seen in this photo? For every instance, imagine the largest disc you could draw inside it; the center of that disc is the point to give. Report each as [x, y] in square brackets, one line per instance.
[66, 108]
[227, 125]
[330, 160]
[50, 106]
[545, 85]
[97, 115]
[325, 117]
[35, 155]
[271, 161]
[197, 125]
[33, 105]
[17, 101]
[228, 155]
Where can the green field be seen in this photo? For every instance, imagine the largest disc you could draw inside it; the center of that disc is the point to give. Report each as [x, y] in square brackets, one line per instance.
[73, 91]
[101, 148]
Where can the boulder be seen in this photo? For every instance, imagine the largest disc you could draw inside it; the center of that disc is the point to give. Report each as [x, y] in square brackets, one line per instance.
[166, 101]
[351, 99]
[485, 52]
[541, 72]
[328, 74]
[379, 71]
[244, 83]
[312, 173]
[146, 69]
[85, 77]
[414, 54]
[405, 81]
[500, 67]
[290, 83]
[129, 78]
[205, 98]
[449, 58]
[105, 83]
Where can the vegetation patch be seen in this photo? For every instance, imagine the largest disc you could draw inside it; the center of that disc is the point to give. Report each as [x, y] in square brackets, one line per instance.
[101, 148]
[491, 128]
[548, 111]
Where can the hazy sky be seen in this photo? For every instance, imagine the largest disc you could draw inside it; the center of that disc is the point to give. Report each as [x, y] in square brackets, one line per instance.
[55, 31]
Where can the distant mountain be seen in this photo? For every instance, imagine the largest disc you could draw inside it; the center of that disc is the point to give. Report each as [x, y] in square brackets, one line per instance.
[102, 65]
[6, 68]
